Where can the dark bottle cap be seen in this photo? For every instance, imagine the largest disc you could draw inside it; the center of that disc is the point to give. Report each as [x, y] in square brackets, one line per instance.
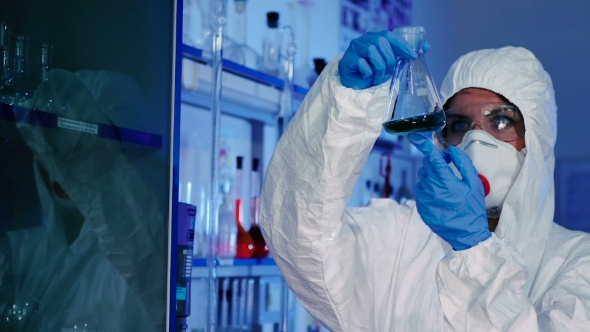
[319, 64]
[255, 164]
[239, 161]
[272, 19]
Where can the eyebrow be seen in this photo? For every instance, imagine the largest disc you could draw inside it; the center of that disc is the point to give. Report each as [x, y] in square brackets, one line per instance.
[454, 115]
[457, 116]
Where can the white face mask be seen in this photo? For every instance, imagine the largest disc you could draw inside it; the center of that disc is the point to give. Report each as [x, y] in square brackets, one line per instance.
[498, 164]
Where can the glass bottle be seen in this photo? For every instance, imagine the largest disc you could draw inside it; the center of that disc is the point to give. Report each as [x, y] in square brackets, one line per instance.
[19, 82]
[413, 98]
[239, 51]
[367, 193]
[227, 230]
[190, 33]
[376, 190]
[260, 248]
[6, 92]
[245, 245]
[403, 194]
[18, 305]
[5, 31]
[318, 64]
[304, 74]
[385, 170]
[45, 50]
[204, 39]
[271, 46]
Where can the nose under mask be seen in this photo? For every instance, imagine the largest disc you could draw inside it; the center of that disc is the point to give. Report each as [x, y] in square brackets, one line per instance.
[497, 163]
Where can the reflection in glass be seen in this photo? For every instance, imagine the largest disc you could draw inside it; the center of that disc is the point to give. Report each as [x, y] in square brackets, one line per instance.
[19, 84]
[44, 104]
[5, 72]
[18, 308]
[83, 212]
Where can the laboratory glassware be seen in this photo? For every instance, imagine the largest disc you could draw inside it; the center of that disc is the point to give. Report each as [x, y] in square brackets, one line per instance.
[403, 193]
[18, 308]
[203, 37]
[304, 73]
[213, 218]
[190, 11]
[288, 56]
[45, 51]
[318, 64]
[239, 51]
[367, 193]
[385, 171]
[6, 92]
[260, 247]
[84, 326]
[376, 190]
[227, 229]
[20, 83]
[414, 102]
[190, 34]
[208, 26]
[271, 46]
[245, 244]
[234, 313]
[5, 31]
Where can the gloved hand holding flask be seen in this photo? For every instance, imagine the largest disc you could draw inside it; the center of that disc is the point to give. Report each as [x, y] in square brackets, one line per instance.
[370, 59]
[454, 208]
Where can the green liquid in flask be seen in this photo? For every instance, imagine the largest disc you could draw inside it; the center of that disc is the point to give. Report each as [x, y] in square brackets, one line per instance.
[426, 123]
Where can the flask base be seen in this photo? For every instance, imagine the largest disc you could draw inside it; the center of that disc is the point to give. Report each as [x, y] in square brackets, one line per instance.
[426, 123]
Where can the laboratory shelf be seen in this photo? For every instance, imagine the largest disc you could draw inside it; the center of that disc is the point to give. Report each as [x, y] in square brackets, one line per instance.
[198, 55]
[15, 114]
[202, 262]
[237, 268]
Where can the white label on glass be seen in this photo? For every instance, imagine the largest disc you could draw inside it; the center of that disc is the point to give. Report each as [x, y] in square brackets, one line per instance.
[83, 127]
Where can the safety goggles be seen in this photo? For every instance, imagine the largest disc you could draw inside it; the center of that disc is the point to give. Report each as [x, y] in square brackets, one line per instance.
[501, 120]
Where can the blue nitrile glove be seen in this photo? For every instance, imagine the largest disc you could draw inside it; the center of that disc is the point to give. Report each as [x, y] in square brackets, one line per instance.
[370, 59]
[453, 208]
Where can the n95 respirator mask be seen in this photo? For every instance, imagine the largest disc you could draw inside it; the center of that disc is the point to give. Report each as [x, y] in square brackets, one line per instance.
[498, 164]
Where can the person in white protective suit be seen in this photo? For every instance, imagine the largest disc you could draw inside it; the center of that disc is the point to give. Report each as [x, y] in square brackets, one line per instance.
[443, 262]
[99, 260]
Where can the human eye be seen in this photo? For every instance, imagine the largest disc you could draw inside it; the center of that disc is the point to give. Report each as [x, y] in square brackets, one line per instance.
[458, 125]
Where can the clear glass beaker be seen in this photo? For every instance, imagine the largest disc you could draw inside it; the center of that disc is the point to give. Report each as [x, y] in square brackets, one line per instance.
[414, 103]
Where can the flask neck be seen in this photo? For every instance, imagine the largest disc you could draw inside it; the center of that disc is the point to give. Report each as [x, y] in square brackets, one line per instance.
[414, 35]
[4, 34]
[44, 68]
[240, 23]
[5, 64]
[19, 56]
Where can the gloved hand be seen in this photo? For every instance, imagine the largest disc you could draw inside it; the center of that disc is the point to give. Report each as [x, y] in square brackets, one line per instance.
[370, 59]
[453, 208]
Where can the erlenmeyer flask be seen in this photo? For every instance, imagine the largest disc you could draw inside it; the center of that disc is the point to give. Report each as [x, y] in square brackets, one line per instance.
[413, 98]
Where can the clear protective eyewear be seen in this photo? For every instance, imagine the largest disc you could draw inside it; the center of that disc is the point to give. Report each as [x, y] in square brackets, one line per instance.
[501, 120]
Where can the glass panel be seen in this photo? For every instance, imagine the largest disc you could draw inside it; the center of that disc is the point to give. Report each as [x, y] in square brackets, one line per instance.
[85, 131]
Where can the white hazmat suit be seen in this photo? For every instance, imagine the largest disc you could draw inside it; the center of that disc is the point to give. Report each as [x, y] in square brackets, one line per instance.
[380, 268]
